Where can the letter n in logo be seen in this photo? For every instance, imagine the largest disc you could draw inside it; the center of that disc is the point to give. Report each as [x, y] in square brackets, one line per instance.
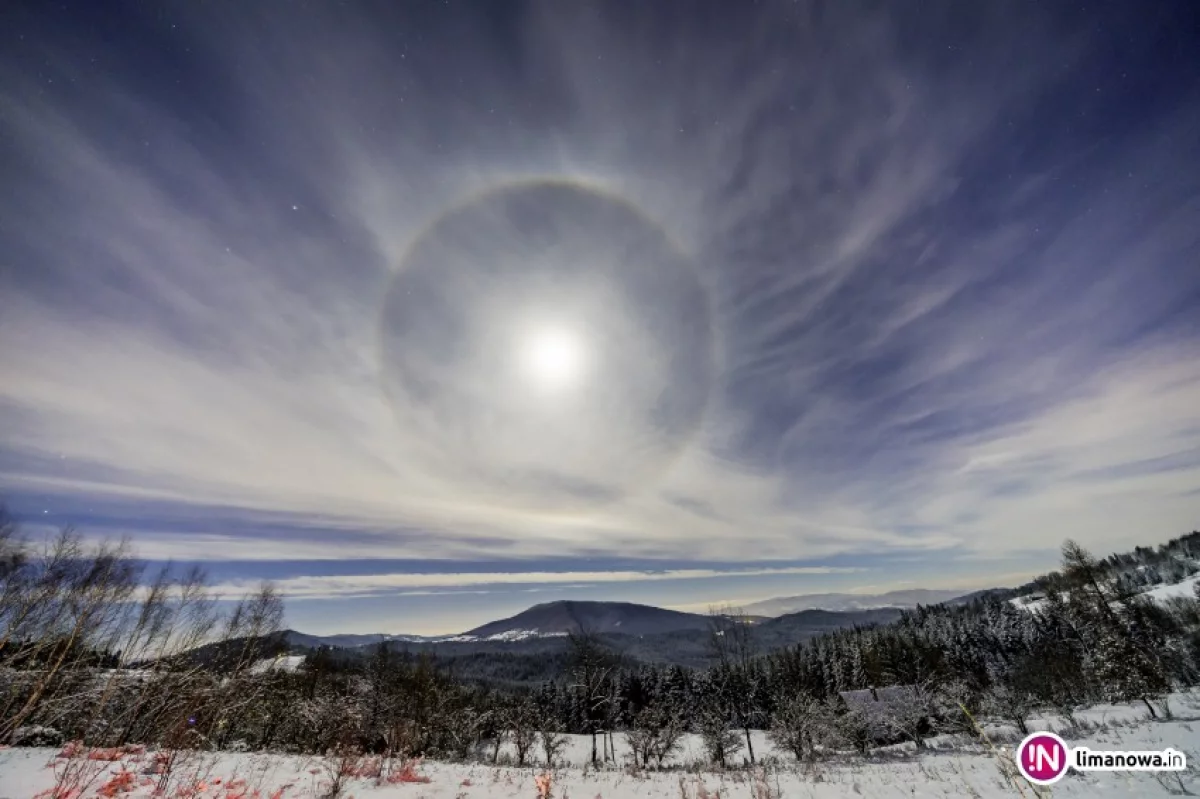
[1042, 758]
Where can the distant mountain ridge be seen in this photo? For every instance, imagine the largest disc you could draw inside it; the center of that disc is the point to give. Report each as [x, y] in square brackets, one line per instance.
[507, 647]
[345, 641]
[547, 620]
[906, 598]
[640, 632]
[563, 617]
[621, 619]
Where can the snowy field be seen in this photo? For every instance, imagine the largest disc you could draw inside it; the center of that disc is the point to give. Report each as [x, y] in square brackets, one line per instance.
[953, 768]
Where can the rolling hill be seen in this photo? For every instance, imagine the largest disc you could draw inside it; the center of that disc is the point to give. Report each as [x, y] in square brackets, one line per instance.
[560, 618]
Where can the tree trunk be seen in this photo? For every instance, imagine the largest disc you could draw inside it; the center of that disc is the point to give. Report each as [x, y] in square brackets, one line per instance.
[1150, 707]
[749, 744]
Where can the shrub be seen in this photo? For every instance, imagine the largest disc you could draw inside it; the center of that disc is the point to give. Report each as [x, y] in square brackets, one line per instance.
[37, 735]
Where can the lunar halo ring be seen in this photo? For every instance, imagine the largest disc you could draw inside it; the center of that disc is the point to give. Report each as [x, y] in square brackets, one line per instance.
[454, 432]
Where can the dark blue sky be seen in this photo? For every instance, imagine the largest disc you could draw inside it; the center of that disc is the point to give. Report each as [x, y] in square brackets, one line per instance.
[433, 310]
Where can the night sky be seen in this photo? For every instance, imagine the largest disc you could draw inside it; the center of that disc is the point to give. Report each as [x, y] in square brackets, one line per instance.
[432, 311]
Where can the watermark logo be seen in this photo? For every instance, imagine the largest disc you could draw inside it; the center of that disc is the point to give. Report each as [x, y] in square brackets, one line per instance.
[1043, 758]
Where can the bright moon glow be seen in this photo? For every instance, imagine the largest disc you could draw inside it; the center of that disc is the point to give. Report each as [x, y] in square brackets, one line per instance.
[552, 358]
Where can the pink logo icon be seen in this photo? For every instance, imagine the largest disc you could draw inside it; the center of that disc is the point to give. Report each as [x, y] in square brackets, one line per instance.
[1042, 758]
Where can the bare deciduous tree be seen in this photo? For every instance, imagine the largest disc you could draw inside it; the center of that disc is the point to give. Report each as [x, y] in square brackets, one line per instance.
[799, 723]
[731, 640]
[521, 720]
[654, 734]
[907, 711]
[552, 744]
[591, 670]
[720, 742]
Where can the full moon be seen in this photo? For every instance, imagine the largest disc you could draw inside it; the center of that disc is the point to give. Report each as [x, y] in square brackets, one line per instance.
[551, 358]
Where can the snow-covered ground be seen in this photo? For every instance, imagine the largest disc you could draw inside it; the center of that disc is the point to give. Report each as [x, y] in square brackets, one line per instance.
[1185, 587]
[951, 769]
[1032, 603]
[282, 663]
[507, 635]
